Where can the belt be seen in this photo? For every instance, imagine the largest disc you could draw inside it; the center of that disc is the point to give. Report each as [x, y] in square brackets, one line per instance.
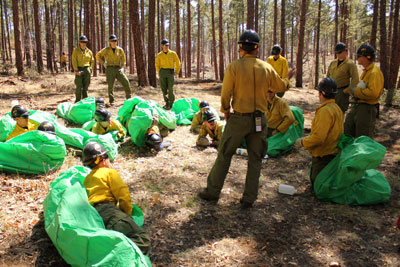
[113, 66]
[165, 69]
[82, 68]
[362, 103]
[343, 87]
[243, 114]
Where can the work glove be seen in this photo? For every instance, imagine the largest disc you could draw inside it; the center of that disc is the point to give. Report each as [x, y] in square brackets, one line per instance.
[347, 91]
[299, 142]
[361, 85]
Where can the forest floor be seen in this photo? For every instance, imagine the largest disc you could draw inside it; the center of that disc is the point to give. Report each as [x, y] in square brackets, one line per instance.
[280, 230]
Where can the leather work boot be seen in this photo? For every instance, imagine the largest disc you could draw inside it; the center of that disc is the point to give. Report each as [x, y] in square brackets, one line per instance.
[207, 196]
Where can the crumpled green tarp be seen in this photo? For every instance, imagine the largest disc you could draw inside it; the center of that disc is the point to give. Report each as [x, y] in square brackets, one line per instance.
[350, 177]
[74, 137]
[140, 122]
[165, 118]
[80, 112]
[184, 110]
[77, 230]
[32, 152]
[281, 143]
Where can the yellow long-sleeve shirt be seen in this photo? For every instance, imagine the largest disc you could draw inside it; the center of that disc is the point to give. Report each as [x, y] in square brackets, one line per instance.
[82, 58]
[169, 60]
[18, 130]
[63, 59]
[113, 57]
[373, 78]
[279, 116]
[280, 65]
[241, 76]
[326, 128]
[105, 185]
[114, 125]
[215, 134]
[346, 74]
[198, 118]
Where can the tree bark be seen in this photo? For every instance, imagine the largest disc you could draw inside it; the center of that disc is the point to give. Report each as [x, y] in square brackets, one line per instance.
[93, 34]
[178, 31]
[115, 18]
[27, 38]
[383, 41]
[159, 30]
[8, 31]
[256, 16]
[317, 44]
[49, 58]
[336, 22]
[198, 40]
[283, 27]
[131, 50]
[374, 28]
[221, 42]
[151, 45]
[3, 35]
[88, 28]
[38, 37]
[214, 52]
[17, 39]
[250, 14]
[110, 17]
[274, 38]
[124, 25]
[134, 21]
[189, 41]
[300, 44]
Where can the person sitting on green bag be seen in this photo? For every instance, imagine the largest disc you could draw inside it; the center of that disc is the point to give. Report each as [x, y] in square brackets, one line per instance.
[326, 128]
[210, 127]
[278, 114]
[109, 195]
[197, 120]
[105, 124]
[24, 124]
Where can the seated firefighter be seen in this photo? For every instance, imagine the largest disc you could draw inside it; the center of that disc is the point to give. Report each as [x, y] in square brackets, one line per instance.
[21, 116]
[105, 124]
[210, 127]
[153, 137]
[197, 120]
[278, 114]
[109, 195]
[326, 128]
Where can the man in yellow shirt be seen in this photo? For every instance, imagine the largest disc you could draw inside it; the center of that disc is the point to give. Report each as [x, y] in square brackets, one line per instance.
[210, 127]
[279, 116]
[197, 120]
[345, 74]
[279, 63]
[109, 195]
[63, 62]
[83, 63]
[24, 124]
[244, 88]
[362, 116]
[167, 65]
[326, 128]
[114, 63]
[105, 124]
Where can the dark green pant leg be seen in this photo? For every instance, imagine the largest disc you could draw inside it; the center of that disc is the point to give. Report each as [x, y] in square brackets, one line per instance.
[121, 77]
[117, 220]
[342, 100]
[349, 123]
[318, 164]
[111, 74]
[86, 82]
[79, 85]
[269, 132]
[163, 74]
[171, 95]
[236, 129]
[365, 120]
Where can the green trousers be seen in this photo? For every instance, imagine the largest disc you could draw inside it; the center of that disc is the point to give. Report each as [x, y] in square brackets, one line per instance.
[361, 120]
[167, 85]
[117, 220]
[237, 128]
[318, 164]
[342, 99]
[82, 83]
[113, 73]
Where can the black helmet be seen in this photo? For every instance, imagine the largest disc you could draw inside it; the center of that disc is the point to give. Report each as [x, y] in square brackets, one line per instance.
[209, 116]
[93, 153]
[328, 87]
[102, 115]
[19, 111]
[83, 39]
[154, 141]
[249, 40]
[47, 126]
[204, 104]
[113, 37]
[165, 42]
[99, 102]
[340, 47]
[276, 50]
[366, 50]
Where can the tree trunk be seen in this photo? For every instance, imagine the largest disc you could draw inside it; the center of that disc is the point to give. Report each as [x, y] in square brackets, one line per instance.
[292, 42]
[142, 23]
[53, 22]
[162, 24]
[159, 30]
[134, 21]
[17, 39]
[93, 34]
[60, 28]
[151, 45]
[131, 50]
[38, 37]
[214, 52]
[189, 42]
[317, 44]
[256, 16]
[110, 17]
[80, 18]
[49, 58]
[300, 44]
[3, 35]
[395, 55]
[336, 22]
[198, 40]
[283, 28]
[250, 14]
[27, 38]
[383, 42]
[124, 25]
[390, 29]
[88, 26]
[170, 21]
[8, 31]
[221, 42]
[178, 31]
[98, 39]
[274, 38]
[115, 18]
